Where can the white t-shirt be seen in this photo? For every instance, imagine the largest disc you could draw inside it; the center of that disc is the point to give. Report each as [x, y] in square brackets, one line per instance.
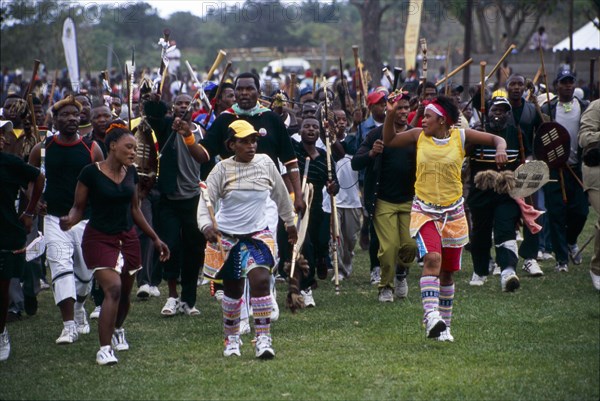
[349, 195]
[570, 120]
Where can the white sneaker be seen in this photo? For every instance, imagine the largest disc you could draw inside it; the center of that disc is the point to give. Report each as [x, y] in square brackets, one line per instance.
[544, 256]
[44, 285]
[245, 326]
[96, 312]
[434, 325]
[340, 276]
[375, 275]
[275, 310]
[185, 309]
[232, 346]
[219, 294]
[4, 345]
[510, 282]
[386, 295]
[595, 280]
[83, 327]
[118, 341]
[264, 347]
[575, 255]
[477, 280]
[401, 288]
[493, 268]
[532, 267]
[106, 356]
[154, 291]
[446, 336]
[68, 335]
[171, 307]
[143, 291]
[562, 267]
[309, 301]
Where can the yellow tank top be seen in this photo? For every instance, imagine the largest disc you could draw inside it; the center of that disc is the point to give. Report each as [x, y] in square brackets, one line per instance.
[439, 169]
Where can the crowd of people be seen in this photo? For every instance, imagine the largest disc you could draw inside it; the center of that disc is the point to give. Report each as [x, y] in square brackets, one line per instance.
[101, 192]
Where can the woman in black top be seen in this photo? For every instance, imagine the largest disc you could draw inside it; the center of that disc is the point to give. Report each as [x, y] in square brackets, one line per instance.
[110, 186]
[14, 174]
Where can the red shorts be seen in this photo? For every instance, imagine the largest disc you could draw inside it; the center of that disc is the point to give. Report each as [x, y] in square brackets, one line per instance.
[429, 241]
[102, 250]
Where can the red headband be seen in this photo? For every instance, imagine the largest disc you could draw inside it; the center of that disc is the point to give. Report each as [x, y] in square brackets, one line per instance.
[434, 106]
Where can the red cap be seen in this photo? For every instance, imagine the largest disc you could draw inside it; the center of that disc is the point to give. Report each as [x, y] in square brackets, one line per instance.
[375, 97]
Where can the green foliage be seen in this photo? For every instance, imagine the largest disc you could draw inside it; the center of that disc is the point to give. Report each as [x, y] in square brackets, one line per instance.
[540, 342]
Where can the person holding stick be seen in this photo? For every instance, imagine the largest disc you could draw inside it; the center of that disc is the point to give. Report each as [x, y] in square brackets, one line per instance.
[437, 217]
[242, 183]
[111, 188]
[14, 174]
[566, 218]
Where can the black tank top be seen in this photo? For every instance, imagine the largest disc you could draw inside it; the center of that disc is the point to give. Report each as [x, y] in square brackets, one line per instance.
[63, 164]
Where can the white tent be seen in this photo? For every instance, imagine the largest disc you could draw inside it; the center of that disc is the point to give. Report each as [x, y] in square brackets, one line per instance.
[585, 38]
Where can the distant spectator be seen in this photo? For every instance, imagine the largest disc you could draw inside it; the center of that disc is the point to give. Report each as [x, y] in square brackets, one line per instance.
[539, 39]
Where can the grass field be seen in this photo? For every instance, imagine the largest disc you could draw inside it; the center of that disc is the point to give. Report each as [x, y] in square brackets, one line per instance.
[540, 343]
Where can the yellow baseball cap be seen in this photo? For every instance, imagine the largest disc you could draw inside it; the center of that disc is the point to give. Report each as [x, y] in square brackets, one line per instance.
[242, 129]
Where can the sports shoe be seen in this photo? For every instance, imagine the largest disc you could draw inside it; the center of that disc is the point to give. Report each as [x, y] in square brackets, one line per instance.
[106, 356]
[219, 294]
[532, 267]
[264, 348]
[493, 268]
[232, 346]
[96, 312]
[375, 275]
[401, 287]
[4, 345]
[118, 341]
[446, 336]
[477, 280]
[575, 255]
[83, 327]
[309, 301]
[544, 255]
[185, 309]
[510, 282]
[386, 295]
[171, 307]
[434, 324]
[154, 291]
[595, 280]
[44, 285]
[245, 326]
[340, 276]
[68, 335]
[561, 267]
[143, 291]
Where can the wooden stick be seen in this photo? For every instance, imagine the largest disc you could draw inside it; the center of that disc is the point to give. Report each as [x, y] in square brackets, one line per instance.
[220, 55]
[454, 72]
[447, 87]
[36, 66]
[482, 65]
[505, 55]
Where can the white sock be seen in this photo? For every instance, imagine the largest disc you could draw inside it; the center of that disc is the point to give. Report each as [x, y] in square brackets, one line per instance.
[69, 323]
[79, 305]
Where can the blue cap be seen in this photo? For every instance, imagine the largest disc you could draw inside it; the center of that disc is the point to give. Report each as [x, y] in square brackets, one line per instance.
[306, 90]
[565, 73]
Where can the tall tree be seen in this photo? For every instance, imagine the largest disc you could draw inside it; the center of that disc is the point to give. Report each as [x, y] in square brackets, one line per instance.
[371, 12]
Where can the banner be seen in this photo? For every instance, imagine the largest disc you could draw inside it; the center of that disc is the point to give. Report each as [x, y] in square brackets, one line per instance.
[69, 41]
[411, 36]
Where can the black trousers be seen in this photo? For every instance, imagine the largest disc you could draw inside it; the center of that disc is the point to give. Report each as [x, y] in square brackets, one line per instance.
[178, 228]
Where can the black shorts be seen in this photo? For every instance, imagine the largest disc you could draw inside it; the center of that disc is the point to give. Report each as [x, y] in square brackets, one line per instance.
[11, 265]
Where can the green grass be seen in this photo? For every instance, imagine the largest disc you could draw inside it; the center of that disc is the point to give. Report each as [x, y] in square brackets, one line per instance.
[540, 343]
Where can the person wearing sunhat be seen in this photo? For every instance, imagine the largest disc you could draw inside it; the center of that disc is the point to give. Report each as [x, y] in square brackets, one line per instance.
[566, 220]
[242, 183]
[495, 215]
[66, 154]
